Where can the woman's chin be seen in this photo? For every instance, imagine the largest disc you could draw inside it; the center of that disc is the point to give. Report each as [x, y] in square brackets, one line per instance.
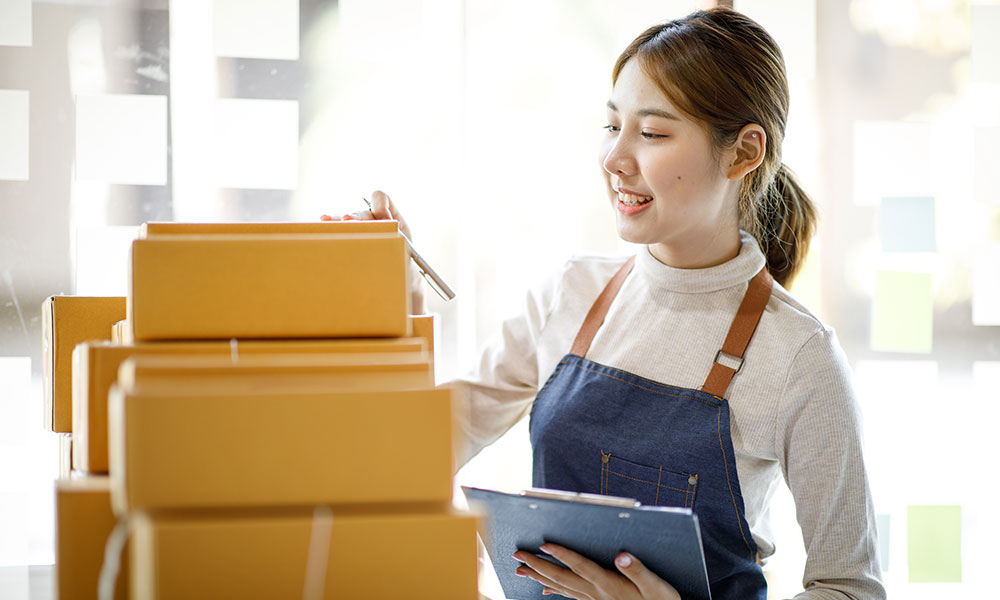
[632, 234]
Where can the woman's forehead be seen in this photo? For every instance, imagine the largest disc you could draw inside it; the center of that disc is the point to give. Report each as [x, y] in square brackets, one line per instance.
[635, 92]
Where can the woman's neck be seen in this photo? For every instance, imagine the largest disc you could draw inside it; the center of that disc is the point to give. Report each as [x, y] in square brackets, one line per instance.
[701, 253]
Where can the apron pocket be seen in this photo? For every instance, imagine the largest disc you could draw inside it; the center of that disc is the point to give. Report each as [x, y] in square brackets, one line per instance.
[652, 486]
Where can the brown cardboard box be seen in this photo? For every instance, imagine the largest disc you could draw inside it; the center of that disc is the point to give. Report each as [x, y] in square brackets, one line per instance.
[83, 523]
[185, 451]
[96, 364]
[422, 326]
[342, 555]
[268, 286]
[67, 321]
[167, 228]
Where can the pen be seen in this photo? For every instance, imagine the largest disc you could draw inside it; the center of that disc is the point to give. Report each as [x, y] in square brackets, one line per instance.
[433, 279]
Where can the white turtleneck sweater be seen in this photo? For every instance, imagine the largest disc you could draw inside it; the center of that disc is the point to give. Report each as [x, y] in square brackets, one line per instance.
[793, 410]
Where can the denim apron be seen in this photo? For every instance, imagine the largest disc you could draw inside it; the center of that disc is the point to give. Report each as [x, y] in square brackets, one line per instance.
[602, 430]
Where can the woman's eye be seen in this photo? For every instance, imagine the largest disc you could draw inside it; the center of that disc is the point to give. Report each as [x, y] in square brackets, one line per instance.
[612, 128]
[652, 136]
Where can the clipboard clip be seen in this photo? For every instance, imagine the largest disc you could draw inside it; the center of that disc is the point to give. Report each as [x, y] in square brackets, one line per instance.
[581, 497]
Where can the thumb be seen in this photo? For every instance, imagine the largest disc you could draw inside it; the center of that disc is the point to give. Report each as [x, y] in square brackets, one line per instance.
[650, 585]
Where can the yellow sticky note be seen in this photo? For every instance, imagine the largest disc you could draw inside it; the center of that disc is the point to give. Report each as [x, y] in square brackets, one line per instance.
[934, 547]
[902, 312]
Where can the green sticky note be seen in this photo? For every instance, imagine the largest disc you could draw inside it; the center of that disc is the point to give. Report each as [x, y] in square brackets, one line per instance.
[902, 312]
[882, 522]
[934, 547]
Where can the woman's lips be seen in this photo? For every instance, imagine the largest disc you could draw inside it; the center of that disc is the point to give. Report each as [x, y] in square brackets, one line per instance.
[630, 204]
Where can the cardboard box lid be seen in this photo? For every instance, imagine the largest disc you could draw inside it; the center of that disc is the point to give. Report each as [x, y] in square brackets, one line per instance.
[269, 286]
[267, 373]
[156, 228]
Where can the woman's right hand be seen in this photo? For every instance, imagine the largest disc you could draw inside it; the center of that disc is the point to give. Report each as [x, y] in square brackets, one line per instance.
[383, 208]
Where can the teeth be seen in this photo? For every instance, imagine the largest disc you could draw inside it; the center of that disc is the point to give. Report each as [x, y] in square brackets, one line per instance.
[630, 200]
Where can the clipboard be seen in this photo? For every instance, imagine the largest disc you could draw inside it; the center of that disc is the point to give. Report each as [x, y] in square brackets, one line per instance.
[666, 539]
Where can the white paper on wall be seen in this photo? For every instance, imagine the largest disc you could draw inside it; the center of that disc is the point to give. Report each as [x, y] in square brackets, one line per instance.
[261, 29]
[14, 132]
[985, 52]
[15, 23]
[986, 285]
[121, 138]
[986, 157]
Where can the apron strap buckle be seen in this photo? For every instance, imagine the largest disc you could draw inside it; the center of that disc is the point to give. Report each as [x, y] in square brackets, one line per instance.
[730, 358]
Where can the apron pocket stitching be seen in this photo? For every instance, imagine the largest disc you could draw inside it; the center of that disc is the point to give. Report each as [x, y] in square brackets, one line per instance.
[725, 462]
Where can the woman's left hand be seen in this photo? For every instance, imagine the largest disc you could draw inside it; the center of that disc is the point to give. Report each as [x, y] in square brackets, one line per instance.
[586, 580]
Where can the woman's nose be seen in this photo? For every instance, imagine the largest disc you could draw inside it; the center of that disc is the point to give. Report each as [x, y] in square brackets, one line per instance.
[618, 160]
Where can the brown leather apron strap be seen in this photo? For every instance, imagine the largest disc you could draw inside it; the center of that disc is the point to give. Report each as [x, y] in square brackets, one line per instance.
[599, 310]
[740, 332]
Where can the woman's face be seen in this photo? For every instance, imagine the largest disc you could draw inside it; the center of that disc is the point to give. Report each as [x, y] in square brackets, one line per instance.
[666, 187]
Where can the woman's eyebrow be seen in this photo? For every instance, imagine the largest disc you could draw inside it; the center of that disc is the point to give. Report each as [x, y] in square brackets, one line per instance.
[655, 112]
[648, 112]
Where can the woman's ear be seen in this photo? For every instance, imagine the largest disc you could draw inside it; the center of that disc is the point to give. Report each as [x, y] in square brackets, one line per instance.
[747, 152]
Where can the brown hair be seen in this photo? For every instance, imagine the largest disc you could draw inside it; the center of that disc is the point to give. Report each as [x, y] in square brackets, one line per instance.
[723, 69]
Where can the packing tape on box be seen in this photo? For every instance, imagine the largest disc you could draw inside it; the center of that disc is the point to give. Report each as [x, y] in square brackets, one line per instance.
[111, 569]
[318, 559]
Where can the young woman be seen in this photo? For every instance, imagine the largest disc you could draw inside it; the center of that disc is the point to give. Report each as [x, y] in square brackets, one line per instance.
[685, 375]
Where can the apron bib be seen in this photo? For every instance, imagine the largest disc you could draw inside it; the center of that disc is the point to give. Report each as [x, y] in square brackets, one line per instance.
[602, 430]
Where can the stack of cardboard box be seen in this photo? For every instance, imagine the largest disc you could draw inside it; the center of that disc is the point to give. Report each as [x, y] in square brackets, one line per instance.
[267, 419]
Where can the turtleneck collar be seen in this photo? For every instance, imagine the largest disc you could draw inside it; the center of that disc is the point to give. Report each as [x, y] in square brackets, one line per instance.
[739, 270]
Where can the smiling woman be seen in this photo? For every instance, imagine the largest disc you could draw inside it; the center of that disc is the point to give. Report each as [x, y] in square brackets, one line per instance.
[688, 367]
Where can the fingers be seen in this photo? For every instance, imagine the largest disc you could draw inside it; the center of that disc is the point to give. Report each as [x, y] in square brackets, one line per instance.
[552, 575]
[547, 584]
[650, 585]
[382, 206]
[587, 569]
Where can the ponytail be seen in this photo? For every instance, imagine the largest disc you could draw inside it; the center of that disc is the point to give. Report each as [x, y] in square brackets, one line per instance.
[784, 225]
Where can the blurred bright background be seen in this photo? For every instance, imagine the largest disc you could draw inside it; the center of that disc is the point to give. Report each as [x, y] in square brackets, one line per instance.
[481, 119]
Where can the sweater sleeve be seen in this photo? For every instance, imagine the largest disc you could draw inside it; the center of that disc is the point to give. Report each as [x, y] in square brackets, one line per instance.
[499, 391]
[819, 446]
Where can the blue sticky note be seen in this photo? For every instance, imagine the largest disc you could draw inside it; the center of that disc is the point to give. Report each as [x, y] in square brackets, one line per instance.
[907, 224]
[882, 522]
